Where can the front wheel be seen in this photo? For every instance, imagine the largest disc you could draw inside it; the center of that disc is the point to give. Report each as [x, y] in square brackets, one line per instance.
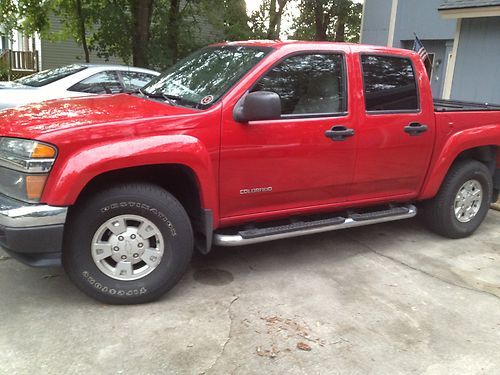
[462, 202]
[129, 244]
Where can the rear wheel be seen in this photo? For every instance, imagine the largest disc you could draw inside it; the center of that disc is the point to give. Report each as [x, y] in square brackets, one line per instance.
[462, 202]
[129, 244]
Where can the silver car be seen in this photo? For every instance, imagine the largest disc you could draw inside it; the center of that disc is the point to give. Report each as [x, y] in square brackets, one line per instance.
[73, 80]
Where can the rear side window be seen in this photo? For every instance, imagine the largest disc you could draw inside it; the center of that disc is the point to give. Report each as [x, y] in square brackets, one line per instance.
[389, 83]
[307, 84]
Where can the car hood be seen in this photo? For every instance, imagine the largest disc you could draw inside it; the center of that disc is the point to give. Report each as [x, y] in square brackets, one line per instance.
[37, 121]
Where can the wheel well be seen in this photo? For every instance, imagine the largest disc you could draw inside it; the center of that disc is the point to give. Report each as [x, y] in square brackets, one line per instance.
[485, 154]
[488, 156]
[178, 180]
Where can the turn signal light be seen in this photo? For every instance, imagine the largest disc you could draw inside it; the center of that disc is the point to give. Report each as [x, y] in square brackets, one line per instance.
[34, 186]
[42, 151]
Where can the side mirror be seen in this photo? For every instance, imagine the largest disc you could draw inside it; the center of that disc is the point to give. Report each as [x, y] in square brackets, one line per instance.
[258, 105]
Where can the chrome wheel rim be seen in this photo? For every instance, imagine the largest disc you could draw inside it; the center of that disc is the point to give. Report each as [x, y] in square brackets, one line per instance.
[127, 247]
[468, 201]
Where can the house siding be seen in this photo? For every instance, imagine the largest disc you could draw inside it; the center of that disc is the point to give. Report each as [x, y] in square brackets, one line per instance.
[477, 71]
[65, 52]
[376, 21]
[422, 18]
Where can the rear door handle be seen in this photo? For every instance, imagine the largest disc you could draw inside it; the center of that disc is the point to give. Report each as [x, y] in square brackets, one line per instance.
[339, 133]
[415, 129]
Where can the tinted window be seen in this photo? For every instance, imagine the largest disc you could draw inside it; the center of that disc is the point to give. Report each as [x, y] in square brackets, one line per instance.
[307, 84]
[49, 76]
[135, 80]
[100, 83]
[389, 84]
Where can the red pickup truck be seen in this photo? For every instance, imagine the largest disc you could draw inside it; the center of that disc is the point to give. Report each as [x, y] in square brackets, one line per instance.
[238, 143]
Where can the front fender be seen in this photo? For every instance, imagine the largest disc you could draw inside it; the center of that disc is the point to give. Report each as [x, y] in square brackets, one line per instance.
[456, 144]
[71, 174]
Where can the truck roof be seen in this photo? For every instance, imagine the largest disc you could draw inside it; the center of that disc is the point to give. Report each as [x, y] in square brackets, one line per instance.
[301, 45]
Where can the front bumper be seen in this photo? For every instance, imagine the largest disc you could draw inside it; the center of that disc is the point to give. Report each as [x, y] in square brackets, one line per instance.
[32, 233]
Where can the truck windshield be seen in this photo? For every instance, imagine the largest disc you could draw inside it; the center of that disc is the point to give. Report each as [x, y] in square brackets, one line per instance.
[202, 78]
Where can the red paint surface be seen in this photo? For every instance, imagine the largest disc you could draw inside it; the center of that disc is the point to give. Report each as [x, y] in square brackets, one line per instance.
[307, 171]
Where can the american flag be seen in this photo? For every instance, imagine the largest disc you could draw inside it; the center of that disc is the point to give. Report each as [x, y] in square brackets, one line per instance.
[419, 48]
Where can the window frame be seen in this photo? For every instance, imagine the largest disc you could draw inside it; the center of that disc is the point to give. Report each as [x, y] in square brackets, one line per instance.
[345, 84]
[390, 111]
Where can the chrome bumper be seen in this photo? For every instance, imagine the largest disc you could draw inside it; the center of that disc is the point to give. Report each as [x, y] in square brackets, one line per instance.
[16, 214]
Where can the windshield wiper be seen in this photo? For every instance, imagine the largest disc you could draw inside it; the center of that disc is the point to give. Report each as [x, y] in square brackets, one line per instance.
[168, 98]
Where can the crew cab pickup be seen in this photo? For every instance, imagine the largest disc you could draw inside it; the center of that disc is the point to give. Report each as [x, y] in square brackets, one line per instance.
[237, 144]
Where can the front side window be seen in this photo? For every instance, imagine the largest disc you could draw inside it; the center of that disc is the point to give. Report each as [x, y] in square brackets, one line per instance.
[389, 83]
[100, 83]
[202, 78]
[307, 84]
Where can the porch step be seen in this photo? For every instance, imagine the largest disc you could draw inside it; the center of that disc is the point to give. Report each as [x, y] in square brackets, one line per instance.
[293, 228]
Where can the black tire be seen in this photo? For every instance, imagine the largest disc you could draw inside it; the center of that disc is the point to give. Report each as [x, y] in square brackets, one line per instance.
[439, 214]
[149, 202]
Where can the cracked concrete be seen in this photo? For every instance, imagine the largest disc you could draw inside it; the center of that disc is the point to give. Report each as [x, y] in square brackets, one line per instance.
[391, 298]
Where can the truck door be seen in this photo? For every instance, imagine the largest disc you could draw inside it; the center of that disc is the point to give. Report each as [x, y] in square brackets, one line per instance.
[305, 158]
[396, 128]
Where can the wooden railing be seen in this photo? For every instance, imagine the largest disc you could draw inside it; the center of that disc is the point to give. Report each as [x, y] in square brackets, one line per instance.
[19, 63]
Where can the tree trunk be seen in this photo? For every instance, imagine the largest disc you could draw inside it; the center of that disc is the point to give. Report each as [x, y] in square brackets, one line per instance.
[173, 30]
[340, 31]
[142, 11]
[277, 7]
[271, 31]
[81, 28]
[322, 20]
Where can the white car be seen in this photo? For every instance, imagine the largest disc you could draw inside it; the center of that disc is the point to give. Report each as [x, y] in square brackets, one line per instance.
[73, 80]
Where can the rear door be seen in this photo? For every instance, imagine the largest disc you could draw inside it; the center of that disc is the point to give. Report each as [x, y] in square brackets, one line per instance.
[396, 131]
[294, 161]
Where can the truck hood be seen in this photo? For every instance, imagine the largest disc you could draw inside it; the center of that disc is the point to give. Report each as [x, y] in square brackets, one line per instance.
[36, 121]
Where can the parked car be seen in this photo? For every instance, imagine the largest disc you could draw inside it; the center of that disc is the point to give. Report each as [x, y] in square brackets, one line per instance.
[73, 80]
[238, 144]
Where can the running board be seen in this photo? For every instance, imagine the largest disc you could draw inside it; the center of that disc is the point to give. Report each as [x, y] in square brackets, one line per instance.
[301, 228]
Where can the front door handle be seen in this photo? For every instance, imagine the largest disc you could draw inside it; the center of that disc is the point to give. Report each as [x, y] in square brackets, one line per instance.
[339, 133]
[415, 129]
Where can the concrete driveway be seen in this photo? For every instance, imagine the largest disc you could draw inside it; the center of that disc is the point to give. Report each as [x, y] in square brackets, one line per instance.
[386, 299]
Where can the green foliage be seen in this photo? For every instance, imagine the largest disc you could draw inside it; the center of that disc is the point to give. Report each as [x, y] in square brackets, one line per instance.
[259, 20]
[108, 27]
[332, 14]
[29, 16]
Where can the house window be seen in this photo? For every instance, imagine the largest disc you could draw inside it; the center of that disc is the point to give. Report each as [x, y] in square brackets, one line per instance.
[429, 64]
[4, 42]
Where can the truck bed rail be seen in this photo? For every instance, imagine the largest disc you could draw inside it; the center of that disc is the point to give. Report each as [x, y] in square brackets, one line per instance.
[442, 105]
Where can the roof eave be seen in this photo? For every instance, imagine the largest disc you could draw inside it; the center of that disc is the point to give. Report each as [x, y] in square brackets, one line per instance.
[470, 12]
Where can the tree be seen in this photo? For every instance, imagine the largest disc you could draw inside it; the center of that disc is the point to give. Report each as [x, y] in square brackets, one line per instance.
[266, 21]
[141, 13]
[328, 20]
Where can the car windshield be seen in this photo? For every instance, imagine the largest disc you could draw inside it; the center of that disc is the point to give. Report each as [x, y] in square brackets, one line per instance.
[202, 78]
[49, 76]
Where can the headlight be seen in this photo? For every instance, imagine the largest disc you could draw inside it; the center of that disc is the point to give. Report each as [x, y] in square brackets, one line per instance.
[24, 167]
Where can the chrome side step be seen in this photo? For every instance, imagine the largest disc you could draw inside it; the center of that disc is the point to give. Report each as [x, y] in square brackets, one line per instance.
[257, 235]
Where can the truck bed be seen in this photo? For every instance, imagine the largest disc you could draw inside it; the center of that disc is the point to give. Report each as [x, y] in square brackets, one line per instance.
[442, 105]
